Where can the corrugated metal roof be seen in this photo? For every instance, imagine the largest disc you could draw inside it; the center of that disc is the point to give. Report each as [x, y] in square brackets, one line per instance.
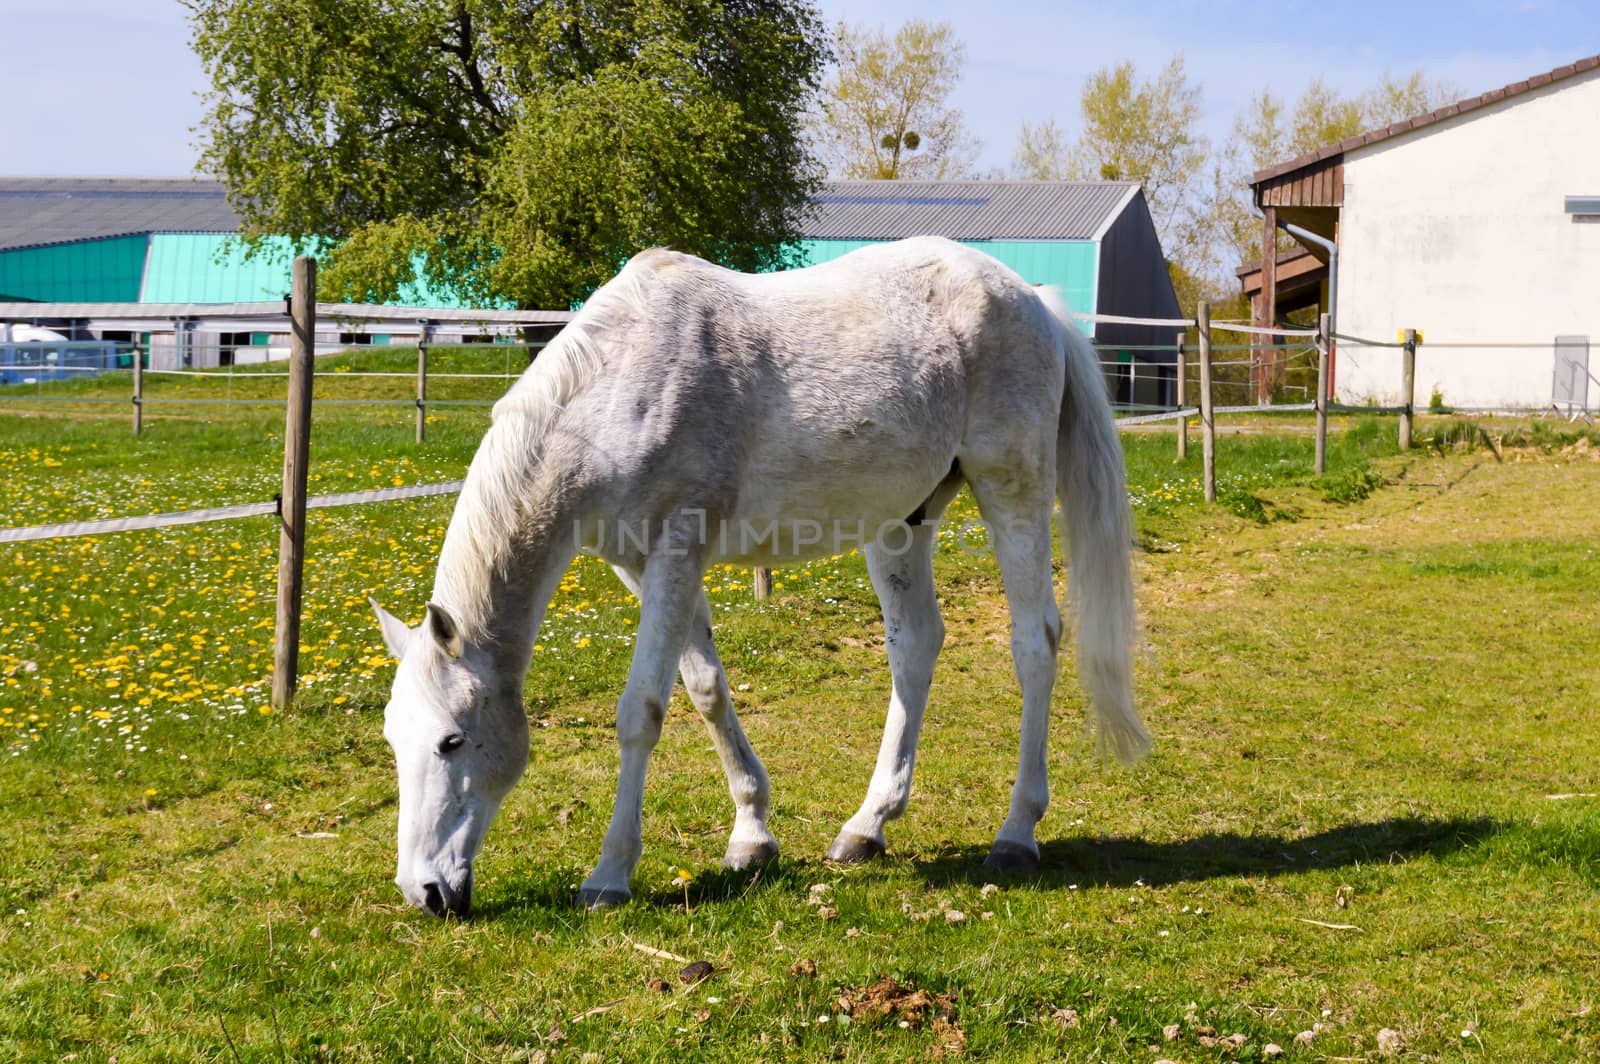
[966, 210]
[55, 210]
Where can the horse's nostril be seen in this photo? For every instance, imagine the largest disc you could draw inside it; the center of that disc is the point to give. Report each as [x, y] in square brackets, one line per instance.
[433, 899]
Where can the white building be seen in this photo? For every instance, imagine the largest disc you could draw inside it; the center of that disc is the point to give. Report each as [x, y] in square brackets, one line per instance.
[1477, 224]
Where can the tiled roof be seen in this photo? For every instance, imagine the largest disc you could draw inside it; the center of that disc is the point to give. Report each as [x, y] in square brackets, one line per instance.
[1395, 129]
[966, 210]
[55, 210]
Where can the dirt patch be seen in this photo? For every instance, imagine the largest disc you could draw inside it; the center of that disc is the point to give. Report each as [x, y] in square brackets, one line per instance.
[888, 1001]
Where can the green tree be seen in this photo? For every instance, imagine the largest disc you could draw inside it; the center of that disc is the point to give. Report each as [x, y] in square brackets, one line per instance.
[507, 151]
[885, 112]
[1323, 116]
[1391, 101]
[1133, 130]
[1267, 133]
[1042, 152]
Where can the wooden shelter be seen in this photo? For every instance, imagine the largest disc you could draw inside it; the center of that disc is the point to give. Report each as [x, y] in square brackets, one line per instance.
[1309, 192]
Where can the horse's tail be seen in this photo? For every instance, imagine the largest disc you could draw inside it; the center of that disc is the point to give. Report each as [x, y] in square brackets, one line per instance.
[1098, 527]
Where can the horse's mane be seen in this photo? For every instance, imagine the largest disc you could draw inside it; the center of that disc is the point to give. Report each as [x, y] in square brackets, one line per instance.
[500, 498]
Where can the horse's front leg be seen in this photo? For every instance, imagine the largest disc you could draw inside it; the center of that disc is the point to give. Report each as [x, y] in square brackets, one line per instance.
[669, 589]
[751, 841]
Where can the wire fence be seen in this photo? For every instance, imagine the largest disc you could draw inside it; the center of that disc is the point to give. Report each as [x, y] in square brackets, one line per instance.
[1281, 375]
[1282, 370]
[1147, 388]
[1259, 367]
[459, 375]
[1163, 394]
[37, 372]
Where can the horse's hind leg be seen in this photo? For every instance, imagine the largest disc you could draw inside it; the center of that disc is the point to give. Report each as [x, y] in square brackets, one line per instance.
[751, 842]
[915, 633]
[1017, 511]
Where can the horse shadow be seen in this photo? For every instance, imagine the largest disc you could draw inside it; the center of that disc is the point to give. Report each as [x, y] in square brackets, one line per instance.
[1115, 861]
[556, 892]
[1083, 861]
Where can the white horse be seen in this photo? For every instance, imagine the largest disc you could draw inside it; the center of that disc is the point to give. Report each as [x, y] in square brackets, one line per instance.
[690, 415]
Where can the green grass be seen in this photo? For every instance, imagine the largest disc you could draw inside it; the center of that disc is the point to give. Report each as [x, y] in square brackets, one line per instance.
[1362, 715]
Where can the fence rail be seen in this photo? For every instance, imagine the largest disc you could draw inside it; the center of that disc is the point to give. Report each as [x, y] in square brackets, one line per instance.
[1310, 347]
[32, 365]
[1288, 346]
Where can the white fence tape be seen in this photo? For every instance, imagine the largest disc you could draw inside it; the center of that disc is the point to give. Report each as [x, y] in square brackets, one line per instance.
[220, 513]
[249, 375]
[1258, 408]
[1167, 415]
[1118, 319]
[1259, 330]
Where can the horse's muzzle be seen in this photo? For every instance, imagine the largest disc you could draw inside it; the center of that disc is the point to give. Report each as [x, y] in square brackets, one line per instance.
[440, 898]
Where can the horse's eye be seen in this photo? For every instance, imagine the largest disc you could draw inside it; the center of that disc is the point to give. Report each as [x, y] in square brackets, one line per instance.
[451, 742]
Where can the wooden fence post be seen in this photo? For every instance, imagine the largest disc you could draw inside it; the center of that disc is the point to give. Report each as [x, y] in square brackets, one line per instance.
[138, 390]
[1408, 387]
[763, 582]
[1208, 421]
[1324, 338]
[292, 503]
[1183, 422]
[422, 384]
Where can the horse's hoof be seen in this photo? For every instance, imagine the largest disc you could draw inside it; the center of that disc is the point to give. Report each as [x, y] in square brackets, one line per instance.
[1011, 857]
[602, 897]
[850, 848]
[743, 855]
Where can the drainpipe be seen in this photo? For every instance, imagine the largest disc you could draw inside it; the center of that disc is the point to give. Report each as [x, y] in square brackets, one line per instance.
[1305, 235]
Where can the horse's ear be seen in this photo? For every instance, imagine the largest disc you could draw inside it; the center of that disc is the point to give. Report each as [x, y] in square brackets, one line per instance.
[396, 636]
[444, 629]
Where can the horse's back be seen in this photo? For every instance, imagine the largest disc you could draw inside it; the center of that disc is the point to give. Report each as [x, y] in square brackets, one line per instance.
[839, 391]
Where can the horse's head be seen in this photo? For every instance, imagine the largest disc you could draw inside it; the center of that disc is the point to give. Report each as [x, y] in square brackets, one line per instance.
[460, 740]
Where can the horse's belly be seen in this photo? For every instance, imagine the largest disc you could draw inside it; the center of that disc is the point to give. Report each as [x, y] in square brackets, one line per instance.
[785, 520]
[825, 485]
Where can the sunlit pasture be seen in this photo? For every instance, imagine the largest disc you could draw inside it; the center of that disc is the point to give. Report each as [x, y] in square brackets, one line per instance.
[1370, 807]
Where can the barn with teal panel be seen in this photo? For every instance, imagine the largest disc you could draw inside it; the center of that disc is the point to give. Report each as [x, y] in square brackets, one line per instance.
[1095, 240]
[167, 241]
[137, 240]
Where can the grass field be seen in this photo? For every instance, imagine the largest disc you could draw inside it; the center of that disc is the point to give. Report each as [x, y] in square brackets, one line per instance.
[1371, 805]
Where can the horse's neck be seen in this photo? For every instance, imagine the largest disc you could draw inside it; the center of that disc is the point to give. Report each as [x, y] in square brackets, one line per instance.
[498, 579]
[519, 602]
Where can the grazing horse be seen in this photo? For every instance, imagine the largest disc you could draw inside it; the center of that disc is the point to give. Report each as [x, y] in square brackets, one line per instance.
[690, 415]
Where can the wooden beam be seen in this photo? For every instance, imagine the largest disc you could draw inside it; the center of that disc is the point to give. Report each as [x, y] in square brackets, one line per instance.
[296, 457]
[1181, 388]
[1208, 421]
[1259, 369]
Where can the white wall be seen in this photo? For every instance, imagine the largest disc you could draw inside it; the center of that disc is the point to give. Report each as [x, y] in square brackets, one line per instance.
[1460, 230]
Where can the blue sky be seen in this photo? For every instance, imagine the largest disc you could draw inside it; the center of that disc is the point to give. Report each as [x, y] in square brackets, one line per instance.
[108, 87]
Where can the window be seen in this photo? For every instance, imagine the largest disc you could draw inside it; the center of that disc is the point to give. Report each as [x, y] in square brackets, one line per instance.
[228, 343]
